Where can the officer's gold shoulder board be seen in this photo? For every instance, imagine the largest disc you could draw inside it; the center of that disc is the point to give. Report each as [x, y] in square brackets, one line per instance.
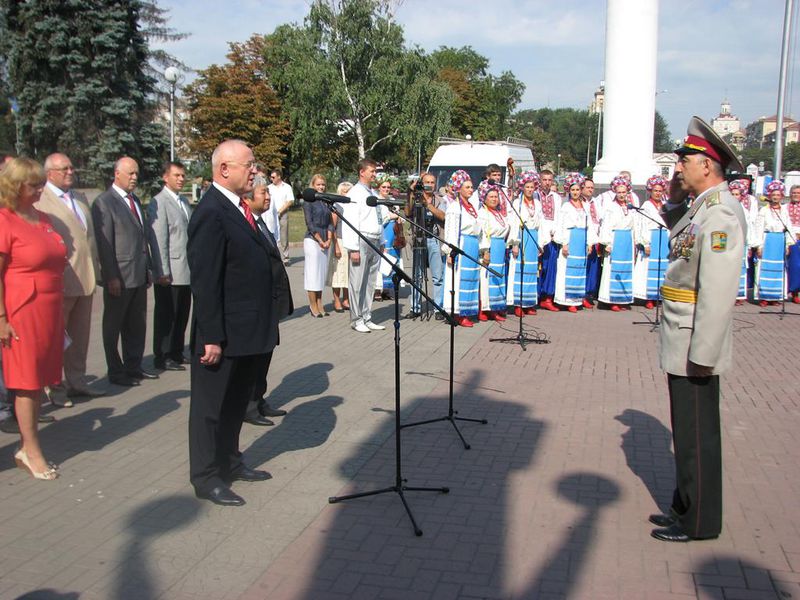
[713, 199]
[719, 241]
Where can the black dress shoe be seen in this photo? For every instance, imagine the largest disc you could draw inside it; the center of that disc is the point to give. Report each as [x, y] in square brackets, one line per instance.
[222, 496]
[142, 374]
[167, 364]
[257, 420]
[245, 473]
[265, 410]
[661, 520]
[413, 314]
[673, 533]
[124, 380]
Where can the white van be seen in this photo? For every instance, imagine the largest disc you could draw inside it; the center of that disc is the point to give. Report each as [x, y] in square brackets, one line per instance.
[473, 157]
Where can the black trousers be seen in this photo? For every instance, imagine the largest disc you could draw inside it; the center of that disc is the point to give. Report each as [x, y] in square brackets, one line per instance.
[170, 317]
[694, 408]
[124, 316]
[258, 401]
[220, 394]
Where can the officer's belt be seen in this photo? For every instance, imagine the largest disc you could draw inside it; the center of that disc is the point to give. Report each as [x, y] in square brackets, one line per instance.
[678, 295]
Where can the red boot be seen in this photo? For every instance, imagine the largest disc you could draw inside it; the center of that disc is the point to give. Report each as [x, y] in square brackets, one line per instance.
[572, 309]
[518, 312]
[547, 304]
[530, 311]
[483, 316]
[464, 322]
[615, 308]
[587, 304]
[796, 298]
[498, 316]
[649, 305]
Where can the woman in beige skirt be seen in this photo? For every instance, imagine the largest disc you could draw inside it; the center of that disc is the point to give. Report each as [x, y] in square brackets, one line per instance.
[337, 270]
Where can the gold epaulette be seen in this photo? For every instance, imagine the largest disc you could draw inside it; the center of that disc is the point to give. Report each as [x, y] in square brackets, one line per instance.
[713, 199]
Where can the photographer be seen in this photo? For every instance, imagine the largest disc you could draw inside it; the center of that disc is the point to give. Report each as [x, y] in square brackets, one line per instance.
[425, 209]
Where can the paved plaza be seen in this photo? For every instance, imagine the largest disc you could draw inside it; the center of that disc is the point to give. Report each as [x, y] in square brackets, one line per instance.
[551, 500]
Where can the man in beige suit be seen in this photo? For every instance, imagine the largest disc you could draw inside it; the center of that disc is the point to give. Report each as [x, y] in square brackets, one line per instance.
[69, 212]
[699, 291]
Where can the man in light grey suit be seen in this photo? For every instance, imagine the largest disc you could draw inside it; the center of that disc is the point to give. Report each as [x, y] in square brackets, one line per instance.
[707, 245]
[71, 217]
[169, 223]
[120, 228]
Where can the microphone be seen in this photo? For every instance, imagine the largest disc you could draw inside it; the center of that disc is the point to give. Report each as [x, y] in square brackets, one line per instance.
[375, 201]
[309, 195]
[632, 207]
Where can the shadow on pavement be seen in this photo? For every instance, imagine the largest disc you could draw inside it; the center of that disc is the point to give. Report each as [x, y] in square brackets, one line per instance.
[311, 380]
[95, 428]
[49, 594]
[154, 519]
[727, 576]
[648, 452]
[306, 426]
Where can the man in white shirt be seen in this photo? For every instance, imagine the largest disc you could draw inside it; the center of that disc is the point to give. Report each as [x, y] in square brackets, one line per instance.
[364, 262]
[71, 217]
[282, 199]
[169, 223]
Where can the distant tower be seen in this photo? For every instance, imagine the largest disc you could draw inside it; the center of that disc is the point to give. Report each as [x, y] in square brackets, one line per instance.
[630, 90]
[725, 124]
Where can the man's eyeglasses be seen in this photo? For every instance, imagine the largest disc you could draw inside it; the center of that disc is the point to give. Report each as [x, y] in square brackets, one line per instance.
[248, 165]
[65, 169]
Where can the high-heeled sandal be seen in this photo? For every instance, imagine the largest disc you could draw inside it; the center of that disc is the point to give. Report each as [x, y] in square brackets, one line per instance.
[21, 458]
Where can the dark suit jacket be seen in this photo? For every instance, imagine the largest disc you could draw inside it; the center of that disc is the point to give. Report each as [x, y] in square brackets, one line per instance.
[121, 241]
[236, 303]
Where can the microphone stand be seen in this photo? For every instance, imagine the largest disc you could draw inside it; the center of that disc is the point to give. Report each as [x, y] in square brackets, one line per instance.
[661, 228]
[454, 251]
[521, 338]
[399, 486]
[782, 313]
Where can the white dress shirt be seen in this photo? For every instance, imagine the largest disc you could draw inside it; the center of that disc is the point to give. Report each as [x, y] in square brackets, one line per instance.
[124, 195]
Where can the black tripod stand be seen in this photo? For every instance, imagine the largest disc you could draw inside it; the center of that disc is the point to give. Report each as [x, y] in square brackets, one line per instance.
[661, 230]
[451, 413]
[522, 338]
[782, 312]
[399, 486]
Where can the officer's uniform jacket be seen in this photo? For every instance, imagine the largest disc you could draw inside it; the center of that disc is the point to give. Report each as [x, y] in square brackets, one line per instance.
[702, 280]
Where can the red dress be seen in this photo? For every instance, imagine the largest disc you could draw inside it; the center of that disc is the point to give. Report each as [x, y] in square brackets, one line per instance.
[35, 260]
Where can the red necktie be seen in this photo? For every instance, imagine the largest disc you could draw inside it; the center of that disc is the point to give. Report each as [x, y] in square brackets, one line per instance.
[133, 209]
[248, 214]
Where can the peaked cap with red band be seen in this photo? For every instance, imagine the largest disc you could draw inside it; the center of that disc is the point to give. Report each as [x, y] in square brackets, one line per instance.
[702, 139]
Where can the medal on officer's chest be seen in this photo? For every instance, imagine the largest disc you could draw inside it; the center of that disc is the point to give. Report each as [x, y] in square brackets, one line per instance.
[684, 242]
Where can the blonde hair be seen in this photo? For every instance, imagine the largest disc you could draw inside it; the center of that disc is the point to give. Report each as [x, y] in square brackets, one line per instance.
[343, 188]
[15, 174]
[314, 178]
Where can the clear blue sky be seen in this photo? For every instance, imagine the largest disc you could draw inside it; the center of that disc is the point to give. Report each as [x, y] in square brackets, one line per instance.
[708, 49]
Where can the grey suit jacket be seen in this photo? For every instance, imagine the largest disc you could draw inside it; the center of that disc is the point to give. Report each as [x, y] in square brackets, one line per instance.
[81, 272]
[707, 246]
[169, 226]
[121, 240]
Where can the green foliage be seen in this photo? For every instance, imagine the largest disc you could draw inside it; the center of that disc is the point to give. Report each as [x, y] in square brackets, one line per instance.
[758, 155]
[662, 140]
[483, 102]
[78, 71]
[565, 131]
[349, 86]
[791, 157]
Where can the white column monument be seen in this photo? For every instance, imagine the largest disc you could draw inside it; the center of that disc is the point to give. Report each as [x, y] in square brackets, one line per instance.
[630, 91]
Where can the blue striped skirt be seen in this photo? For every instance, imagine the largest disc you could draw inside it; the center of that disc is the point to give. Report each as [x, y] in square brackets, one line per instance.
[497, 285]
[575, 282]
[621, 280]
[793, 267]
[468, 277]
[659, 251]
[742, 293]
[528, 279]
[770, 275]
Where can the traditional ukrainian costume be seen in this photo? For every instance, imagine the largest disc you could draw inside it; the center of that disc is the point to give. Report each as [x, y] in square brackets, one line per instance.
[573, 231]
[793, 260]
[773, 240]
[523, 288]
[616, 284]
[594, 260]
[495, 237]
[551, 206]
[461, 230]
[648, 271]
[749, 206]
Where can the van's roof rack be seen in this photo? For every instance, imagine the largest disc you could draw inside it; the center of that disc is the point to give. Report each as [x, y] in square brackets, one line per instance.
[511, 141]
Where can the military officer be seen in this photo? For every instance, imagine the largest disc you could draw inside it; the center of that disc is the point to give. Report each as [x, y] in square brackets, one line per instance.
[699, 290]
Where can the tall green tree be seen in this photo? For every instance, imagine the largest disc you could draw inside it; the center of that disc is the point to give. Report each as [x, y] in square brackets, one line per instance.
[349, 86]
[662, 140]
[78, 69]
[483, 102]
[565, 131]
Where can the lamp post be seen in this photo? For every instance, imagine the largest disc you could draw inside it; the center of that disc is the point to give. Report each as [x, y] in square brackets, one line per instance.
[558, 165]
[171, 74]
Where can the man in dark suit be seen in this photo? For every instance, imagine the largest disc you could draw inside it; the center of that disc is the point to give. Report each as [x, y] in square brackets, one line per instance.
[169, 222]
[259, 202]
[235, 324]
[120, 230]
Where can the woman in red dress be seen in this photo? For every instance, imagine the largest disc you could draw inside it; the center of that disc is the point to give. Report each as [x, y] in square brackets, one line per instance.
[32, 261]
